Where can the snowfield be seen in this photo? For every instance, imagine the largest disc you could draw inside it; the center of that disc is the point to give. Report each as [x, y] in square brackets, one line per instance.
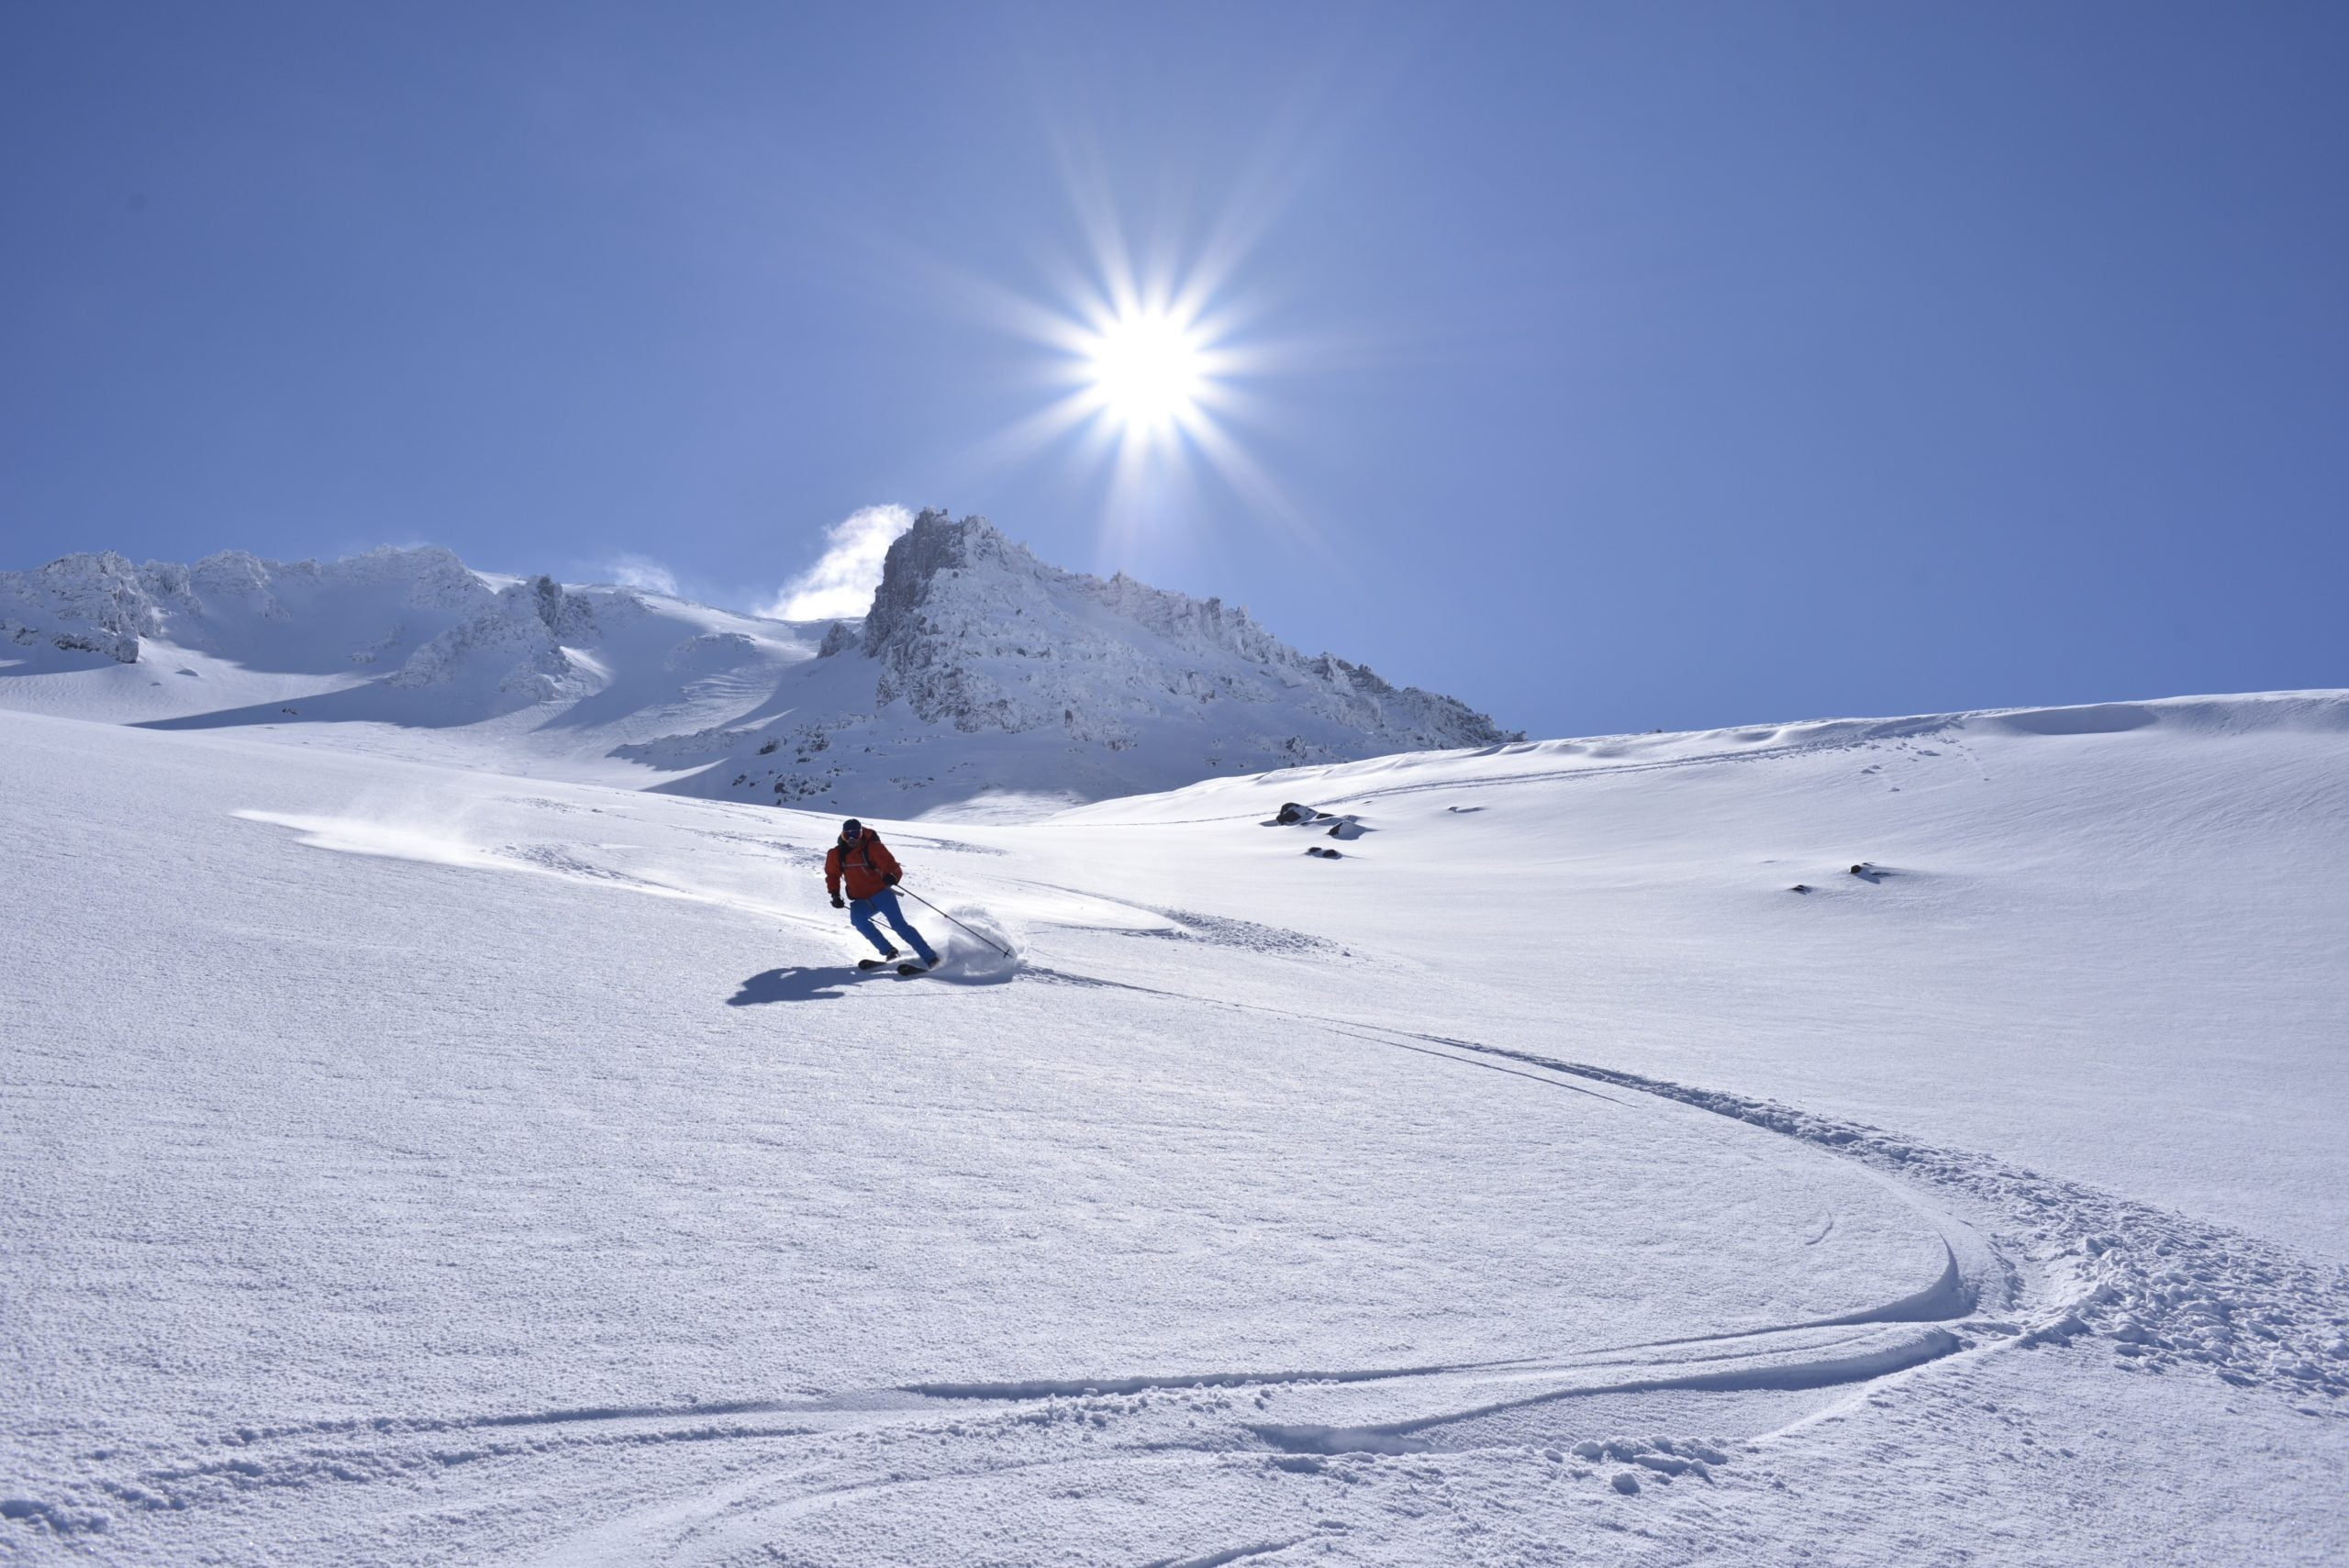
[411, 1163]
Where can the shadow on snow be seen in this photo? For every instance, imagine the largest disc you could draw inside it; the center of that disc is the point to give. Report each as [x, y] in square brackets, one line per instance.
[800, 983]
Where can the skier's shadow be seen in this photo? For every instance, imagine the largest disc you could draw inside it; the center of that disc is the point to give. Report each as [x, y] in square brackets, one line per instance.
[802, 983]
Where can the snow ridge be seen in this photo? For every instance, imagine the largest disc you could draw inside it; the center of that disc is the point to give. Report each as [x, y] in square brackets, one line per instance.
[101, 603]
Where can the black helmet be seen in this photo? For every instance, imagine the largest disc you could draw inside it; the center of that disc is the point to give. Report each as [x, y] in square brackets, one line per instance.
[852, 827]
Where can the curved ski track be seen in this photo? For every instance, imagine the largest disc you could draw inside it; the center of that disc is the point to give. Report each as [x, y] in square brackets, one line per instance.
[2029, 1261]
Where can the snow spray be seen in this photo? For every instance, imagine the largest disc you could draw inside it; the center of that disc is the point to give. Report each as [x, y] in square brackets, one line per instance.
[934, 909]
[978, 952]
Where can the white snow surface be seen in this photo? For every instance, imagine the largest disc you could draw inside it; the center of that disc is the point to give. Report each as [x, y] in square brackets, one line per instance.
[408, 1163]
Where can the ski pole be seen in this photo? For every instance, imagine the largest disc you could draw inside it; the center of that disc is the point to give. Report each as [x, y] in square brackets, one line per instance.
[944, 915]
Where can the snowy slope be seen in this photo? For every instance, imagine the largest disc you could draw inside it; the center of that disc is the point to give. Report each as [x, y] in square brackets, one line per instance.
[2106, 940]
[986, 683]
[409, 1164]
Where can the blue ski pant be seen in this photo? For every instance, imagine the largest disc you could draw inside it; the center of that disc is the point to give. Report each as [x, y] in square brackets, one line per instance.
[884, 903]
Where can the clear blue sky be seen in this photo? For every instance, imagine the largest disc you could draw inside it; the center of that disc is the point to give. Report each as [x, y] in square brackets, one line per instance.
[1617, 365]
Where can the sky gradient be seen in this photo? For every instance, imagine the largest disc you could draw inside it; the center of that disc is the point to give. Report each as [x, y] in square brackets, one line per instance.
[1608, 366]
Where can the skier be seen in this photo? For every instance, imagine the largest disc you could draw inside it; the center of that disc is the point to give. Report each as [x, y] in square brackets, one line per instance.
[864, 862]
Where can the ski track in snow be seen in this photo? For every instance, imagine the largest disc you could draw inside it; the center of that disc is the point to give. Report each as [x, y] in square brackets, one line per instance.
[2165, 1291]
[2034, 1265]
[1246, 936]
[2168, 1292]
[2054, 1261]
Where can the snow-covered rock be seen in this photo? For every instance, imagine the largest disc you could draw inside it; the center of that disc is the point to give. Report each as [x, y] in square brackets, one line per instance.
[82, 604]
[529, 623]
[970, 630]
[982, 676]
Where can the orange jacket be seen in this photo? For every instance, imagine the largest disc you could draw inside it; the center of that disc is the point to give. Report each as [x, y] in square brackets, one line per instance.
[868, 866]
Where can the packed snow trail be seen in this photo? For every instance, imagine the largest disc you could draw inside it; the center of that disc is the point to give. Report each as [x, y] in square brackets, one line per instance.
[1247, 1225]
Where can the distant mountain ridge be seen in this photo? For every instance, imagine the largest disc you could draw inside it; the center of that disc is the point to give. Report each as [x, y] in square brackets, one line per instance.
[226, 604]
[979, 673]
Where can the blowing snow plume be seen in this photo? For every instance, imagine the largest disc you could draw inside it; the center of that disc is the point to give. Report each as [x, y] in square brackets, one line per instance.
[840, 586]
[633, 571]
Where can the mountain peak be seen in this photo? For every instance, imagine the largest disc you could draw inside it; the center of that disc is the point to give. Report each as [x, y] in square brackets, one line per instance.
[935, 544]
[979, 670]
[970, 630]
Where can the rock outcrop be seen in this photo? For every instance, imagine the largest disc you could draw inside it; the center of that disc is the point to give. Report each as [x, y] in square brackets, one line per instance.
[971, 630]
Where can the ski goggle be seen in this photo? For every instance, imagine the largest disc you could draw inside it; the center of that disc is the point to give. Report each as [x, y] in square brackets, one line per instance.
[852, 827]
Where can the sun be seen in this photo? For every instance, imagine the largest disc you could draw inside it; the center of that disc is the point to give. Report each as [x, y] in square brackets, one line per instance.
[1157, 370]
[1147, 370]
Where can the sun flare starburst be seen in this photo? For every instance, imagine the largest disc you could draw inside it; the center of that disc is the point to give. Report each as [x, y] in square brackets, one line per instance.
[1147, 370]
[1157, 364]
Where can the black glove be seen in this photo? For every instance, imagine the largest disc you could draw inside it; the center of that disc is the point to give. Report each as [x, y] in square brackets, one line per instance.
[891, 879]
[838, 902]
